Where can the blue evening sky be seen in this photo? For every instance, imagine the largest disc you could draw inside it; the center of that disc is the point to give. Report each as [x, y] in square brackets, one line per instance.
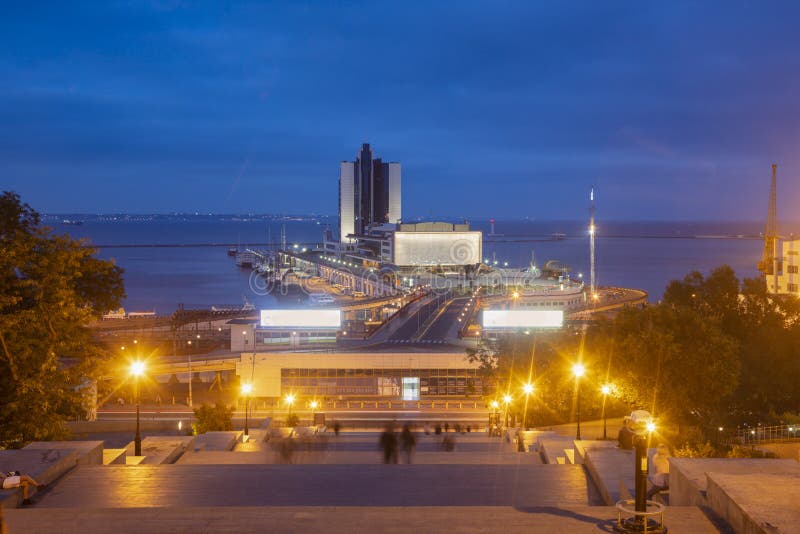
[675, 110]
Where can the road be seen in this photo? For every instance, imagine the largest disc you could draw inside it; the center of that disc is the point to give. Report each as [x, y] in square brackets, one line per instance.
[445, 326]
[416, 320]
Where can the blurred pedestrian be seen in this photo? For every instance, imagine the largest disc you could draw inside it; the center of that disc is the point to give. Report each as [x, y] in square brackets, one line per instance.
[336, 428]
[388, 443]
[409, 441]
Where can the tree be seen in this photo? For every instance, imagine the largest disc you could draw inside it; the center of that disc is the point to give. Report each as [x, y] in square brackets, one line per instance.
[213, 418]
[51, 288]
[672, 361]
[767, 331]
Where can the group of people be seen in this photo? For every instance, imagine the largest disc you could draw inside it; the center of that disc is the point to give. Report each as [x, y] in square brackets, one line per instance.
[659, 464]
[390, 443]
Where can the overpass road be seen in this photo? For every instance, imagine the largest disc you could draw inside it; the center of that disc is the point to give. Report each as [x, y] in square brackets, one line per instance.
[445, 326]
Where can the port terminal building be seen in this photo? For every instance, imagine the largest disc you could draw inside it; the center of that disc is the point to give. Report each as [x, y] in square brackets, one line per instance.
[406, 375]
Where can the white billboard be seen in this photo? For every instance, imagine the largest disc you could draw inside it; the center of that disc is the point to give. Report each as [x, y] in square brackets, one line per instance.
[328, 319]
[437, 248]
[523, 318]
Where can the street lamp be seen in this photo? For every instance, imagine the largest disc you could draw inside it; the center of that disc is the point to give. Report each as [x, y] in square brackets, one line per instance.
[313, 405]
[289, 401]
[606, 389]
[506, 402]
[246, 390]
[527, 389]
[578, 371]
[137, 370]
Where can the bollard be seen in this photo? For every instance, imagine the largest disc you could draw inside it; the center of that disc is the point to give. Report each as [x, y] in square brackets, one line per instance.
[640, 445]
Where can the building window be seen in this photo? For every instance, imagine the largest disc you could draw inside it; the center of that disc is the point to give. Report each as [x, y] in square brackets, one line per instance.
[794, 269]
[792, 288]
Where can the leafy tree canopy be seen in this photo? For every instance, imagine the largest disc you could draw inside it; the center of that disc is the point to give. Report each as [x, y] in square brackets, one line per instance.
[51, 287]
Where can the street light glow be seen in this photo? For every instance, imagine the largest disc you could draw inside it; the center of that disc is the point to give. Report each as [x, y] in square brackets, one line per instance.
[314, 405]
[507, 399]
[578, 370]
[247, 389]
[606, 389]
[290, 399]
[495, 404]
[527, 388]
[651, 426]
[137, 368]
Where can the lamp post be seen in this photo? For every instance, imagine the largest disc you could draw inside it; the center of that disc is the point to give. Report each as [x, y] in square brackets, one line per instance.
[506, 402]
[495, 424]
[606, 389]
[189, 356]
[137, 370]
[578, 371]
[527, 389]
[289, 401]
[313, 405]
[246, 390]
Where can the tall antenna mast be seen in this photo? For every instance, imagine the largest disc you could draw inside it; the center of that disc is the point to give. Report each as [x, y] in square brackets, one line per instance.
[767, 263]
[283, 236]
[592, 287]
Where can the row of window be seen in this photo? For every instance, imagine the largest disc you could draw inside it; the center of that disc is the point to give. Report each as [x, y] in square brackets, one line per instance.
[384, 373]
[380, 386]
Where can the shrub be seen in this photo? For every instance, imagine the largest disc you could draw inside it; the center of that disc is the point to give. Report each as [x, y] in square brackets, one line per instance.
[292, 420]
[749, 452]
[213, 418]
[699, 450]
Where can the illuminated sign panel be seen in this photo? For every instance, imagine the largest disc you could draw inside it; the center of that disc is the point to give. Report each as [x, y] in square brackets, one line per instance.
[437, 248]
[523, 318]
[331, 319]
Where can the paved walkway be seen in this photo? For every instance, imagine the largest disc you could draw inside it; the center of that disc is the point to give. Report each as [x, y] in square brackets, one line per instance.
[319, 485]
[180, 520]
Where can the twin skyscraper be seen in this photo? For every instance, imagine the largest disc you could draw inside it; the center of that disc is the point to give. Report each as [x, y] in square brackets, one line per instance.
[369, 193]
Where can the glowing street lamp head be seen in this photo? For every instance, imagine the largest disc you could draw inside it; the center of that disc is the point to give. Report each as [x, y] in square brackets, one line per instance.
[606, 389]
[290, 399]
[651, 426]
[314, 405]
[578, 370]
[247, 389]
[495, 404]
[507, 399]
[137, 368]
[515, 294]
[528, 389]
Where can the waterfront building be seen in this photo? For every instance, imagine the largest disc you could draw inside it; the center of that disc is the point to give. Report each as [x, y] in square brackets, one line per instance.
[784, 278]
[369, 193]
[407, 375]
[427, 244]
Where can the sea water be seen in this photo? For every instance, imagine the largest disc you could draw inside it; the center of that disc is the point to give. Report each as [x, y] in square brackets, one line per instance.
[643, 255]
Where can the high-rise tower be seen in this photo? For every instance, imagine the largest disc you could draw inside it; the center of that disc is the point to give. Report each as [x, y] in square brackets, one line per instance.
[369, 193]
